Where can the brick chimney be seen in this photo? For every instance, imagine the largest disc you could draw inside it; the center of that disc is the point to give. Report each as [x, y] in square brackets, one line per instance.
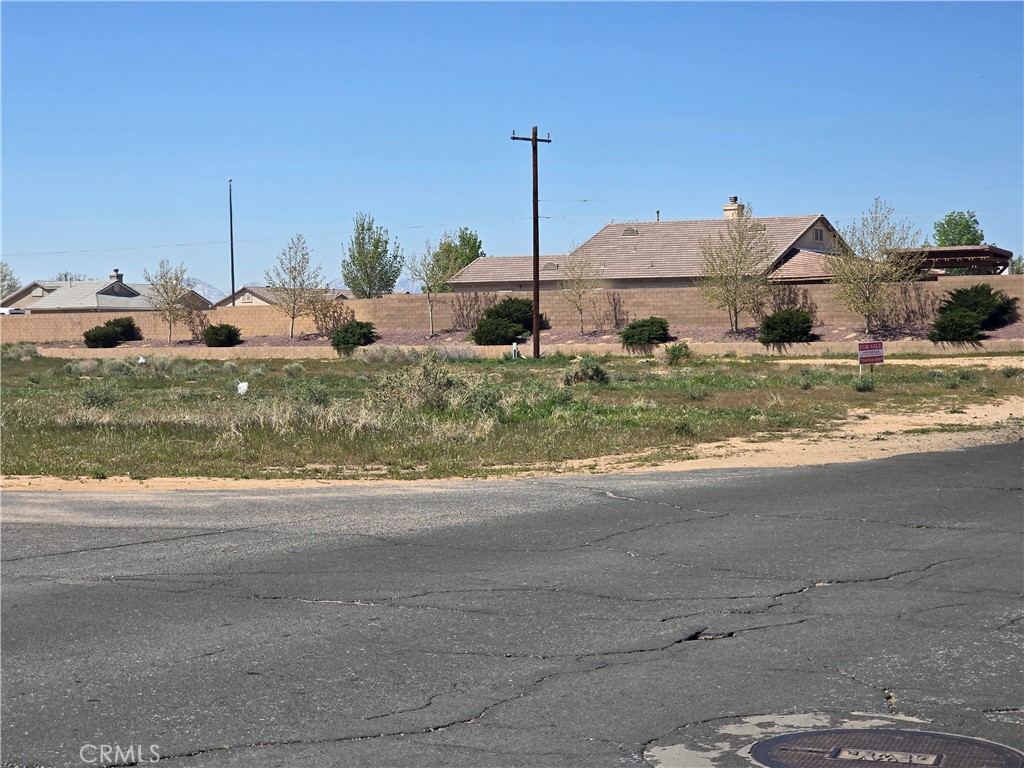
[734, 208]
[116, 275]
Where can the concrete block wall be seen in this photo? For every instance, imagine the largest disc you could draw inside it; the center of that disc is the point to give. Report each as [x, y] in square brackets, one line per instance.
[682, 307]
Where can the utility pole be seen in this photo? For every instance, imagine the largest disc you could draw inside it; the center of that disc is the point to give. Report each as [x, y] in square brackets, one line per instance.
[536, 239]
[231, 235]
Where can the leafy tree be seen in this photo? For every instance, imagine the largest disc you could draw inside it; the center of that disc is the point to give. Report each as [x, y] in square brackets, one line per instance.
[371, 269]
[460, 251]
[1016, 266]
[958, 228]
[294, 283]
[735, 264]
[8, 282]
[873, 263]
[168, 288]
[582, 275]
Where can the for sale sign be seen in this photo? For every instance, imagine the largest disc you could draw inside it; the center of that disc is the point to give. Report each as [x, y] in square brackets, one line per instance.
[870, 353]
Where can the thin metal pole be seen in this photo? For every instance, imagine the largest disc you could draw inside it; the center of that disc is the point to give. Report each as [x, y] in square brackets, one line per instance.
[536, 238]
[231, 234]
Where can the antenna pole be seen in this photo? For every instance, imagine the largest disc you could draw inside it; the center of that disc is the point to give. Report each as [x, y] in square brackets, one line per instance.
[536, 238]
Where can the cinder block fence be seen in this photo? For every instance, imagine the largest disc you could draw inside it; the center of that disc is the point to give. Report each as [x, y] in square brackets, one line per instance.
[682, 307]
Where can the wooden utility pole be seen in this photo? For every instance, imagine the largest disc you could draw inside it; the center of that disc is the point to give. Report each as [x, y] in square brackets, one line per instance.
[536, 239]
[231, 236]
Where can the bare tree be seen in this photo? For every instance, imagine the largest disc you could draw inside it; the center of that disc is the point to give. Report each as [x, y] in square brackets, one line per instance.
[434, 270]
[874, 263]
[735, 265]
[168, 289]
[328, 311]
[582, 277]
[293, 282]
[8, 282]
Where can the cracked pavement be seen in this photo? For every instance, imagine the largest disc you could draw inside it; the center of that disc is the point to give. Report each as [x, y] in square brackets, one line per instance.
[568, 621]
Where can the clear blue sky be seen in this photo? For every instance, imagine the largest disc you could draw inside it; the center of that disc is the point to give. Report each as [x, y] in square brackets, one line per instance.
[122, 122]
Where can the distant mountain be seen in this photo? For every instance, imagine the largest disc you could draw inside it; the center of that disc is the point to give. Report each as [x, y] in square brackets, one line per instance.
[207, 291]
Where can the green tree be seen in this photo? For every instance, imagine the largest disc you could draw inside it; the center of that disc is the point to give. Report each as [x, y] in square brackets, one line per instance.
[459, 251]
[373, 265]
[873, 263]
[294, 283]
[8, 282]
[735, 264]
[167, 290]
[1016, 266]
[958, 228]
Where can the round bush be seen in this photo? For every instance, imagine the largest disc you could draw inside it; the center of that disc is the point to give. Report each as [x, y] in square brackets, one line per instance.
[518, 311]
[494, 331]
[222, 335]
[352, 334]
[993, 307]
[787, 326]
[958, 325]
[127, 330]
[102, 336]
[646, 332]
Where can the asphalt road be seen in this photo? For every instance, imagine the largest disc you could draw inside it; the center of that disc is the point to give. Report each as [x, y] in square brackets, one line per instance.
[624, 620]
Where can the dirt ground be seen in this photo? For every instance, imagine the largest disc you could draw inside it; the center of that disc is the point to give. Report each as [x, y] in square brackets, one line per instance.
[862, 437]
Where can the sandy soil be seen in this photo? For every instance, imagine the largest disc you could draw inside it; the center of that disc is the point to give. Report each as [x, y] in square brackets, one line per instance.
[863, 436]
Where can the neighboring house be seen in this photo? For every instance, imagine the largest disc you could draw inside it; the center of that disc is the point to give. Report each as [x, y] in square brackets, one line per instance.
[262, 296]
[658, 254]
[110, 295]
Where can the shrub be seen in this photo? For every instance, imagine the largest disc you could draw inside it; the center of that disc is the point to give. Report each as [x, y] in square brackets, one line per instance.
[860, 384]
[787, 326]
[102, 336]
[677, 353]
[958, 325]
[98, 394]
[126, 328]
[117, 367]
[352, 334]
[222, 335]
[517, 311]
[18, 351]
[293, 370]
[993, 307]
[644, 333]
[585, 368]
[329, 314]
[494, 331]
[112, 333]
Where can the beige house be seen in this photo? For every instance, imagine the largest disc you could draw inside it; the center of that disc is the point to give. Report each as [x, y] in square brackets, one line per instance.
[667, 254]
[262, 296]
[110, 295]
[660, 254]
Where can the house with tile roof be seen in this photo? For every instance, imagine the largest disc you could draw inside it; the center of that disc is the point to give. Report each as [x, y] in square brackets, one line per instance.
[661, 254]
[263, 296]
[110, 295]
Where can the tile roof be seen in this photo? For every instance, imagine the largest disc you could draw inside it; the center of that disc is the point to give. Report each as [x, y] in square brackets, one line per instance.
[803, 265]
[640, 250]
[265, 293]
[86, 295]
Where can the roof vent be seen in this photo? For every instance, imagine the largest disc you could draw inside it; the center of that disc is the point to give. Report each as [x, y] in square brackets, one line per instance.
[630, 232]
[550, 265]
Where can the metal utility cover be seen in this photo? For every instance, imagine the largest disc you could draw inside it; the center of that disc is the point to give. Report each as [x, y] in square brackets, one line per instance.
[846, 747]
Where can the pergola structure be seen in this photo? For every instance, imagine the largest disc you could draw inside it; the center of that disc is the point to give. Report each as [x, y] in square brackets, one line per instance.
[976, 259]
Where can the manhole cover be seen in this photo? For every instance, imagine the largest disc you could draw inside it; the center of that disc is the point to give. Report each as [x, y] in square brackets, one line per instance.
[842, 747]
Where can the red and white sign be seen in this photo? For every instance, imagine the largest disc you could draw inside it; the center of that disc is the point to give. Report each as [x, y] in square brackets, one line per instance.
[870, 353]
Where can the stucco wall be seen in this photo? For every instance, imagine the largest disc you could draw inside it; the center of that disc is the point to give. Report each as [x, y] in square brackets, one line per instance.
[682, 307]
